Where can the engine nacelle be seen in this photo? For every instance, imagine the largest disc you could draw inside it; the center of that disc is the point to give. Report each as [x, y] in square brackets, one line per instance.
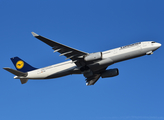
[110, 73]
[93, 56]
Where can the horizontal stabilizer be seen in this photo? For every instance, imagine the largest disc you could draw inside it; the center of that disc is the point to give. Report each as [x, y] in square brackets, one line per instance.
[23, 81]
[16, 72]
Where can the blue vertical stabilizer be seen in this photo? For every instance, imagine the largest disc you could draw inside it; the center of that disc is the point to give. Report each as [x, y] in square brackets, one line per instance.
[21, 65]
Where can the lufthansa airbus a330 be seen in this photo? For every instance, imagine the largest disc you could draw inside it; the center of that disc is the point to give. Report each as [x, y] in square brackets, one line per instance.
[91, 65]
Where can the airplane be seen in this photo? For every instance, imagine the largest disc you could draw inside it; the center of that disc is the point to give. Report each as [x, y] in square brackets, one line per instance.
[91, 65]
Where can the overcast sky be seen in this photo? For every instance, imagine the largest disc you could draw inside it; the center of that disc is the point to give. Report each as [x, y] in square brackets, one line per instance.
[91, 26]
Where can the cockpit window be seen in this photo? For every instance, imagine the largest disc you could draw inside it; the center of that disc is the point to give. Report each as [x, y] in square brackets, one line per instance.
[153, 42]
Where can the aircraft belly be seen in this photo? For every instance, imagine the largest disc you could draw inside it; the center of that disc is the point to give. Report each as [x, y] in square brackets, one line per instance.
[52, 72]
[61, 73]
[101, 64]
[37, 74]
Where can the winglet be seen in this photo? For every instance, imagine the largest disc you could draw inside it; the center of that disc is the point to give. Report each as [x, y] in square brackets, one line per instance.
[34, 34]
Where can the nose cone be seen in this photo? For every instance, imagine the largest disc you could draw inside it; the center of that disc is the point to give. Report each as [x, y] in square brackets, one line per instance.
[157, 45]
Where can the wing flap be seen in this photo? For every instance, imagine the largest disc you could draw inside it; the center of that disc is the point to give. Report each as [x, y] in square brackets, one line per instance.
[92, 80]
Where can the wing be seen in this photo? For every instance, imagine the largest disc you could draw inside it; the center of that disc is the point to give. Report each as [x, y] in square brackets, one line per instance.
[69, 52]
[75, 55]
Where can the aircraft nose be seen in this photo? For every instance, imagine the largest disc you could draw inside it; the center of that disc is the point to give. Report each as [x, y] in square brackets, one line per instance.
[158, 45]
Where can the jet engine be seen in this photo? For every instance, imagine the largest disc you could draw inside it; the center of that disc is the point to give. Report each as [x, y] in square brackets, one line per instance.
[93, 56]
[110, 73]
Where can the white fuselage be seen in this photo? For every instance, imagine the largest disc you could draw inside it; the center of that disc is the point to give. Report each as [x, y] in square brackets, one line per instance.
[108, 57]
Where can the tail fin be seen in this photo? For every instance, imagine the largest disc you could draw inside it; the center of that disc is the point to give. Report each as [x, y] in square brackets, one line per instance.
[21, 65]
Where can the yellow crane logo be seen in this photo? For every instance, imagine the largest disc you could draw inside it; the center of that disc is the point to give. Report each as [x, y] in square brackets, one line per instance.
[19, 64]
